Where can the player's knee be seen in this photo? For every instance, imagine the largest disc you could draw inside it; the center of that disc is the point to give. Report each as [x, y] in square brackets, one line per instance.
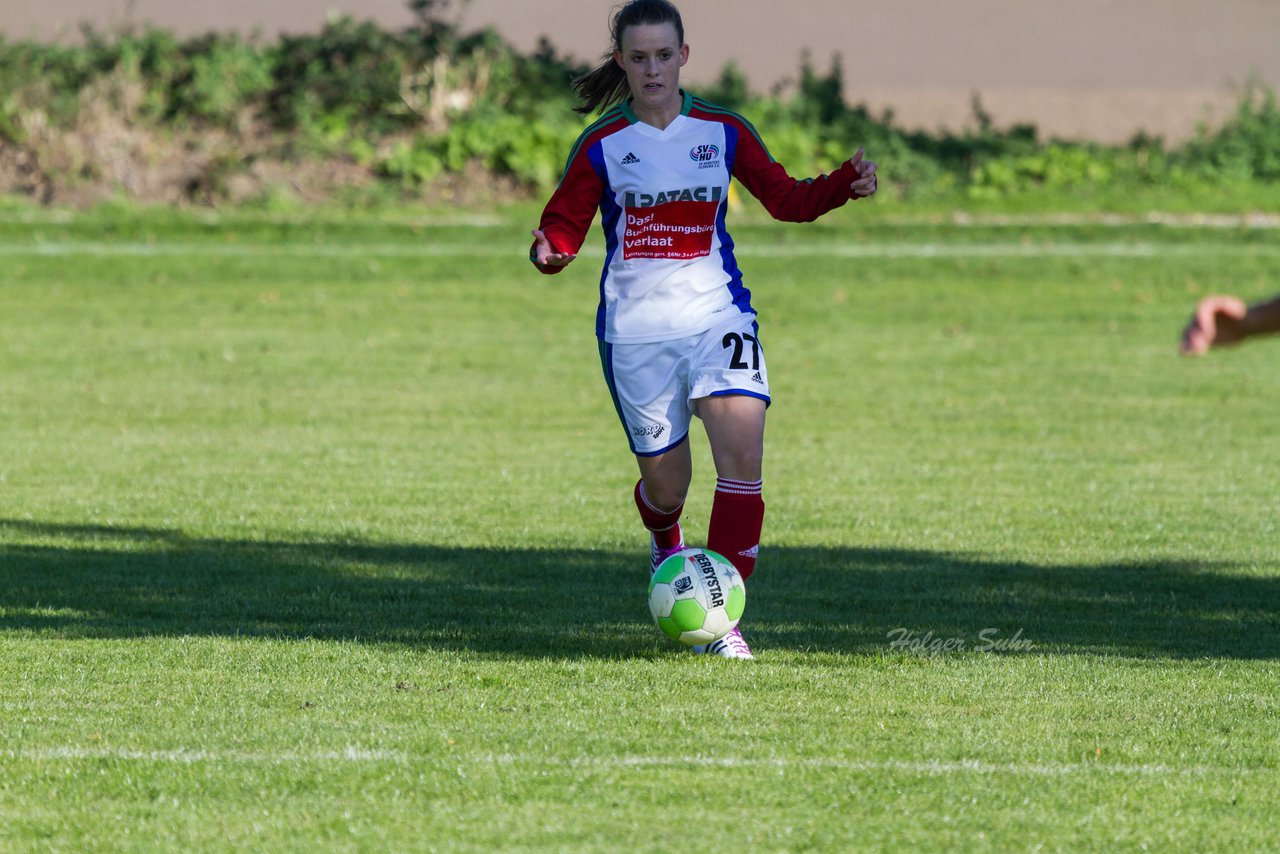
[665, 497]
[741, 471]
[739, 463]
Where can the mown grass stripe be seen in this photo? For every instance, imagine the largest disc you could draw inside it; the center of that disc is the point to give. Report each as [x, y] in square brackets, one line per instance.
[955, 220]
[355, 754]
[881, 249]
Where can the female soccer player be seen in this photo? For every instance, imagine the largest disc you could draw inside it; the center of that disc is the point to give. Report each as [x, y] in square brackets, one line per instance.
[678, 335]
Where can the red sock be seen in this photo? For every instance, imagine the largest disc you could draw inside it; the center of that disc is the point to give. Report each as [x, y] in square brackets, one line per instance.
[664, 526]
[737, 514]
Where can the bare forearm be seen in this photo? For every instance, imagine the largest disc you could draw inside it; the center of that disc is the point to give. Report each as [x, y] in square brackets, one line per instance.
[1263, 318]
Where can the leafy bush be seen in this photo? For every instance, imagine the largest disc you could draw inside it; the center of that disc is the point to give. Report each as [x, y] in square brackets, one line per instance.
[348, 72]
[1247, 146]
[222, 77]
[413, 105]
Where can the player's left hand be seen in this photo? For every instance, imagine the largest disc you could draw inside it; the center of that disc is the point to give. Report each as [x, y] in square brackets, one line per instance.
[865, 184]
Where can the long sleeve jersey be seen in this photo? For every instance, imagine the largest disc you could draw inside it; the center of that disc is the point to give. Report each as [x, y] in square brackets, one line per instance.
[669, 269]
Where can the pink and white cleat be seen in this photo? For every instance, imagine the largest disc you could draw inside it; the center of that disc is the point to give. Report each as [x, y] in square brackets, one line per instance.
[732, 645]
[658, 555]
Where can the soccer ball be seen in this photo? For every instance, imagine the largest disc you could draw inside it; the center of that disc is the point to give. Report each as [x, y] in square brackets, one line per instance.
[696, 596]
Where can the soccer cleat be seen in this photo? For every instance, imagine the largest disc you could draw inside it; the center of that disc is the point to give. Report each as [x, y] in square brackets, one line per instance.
[658, 555]
[732, 645]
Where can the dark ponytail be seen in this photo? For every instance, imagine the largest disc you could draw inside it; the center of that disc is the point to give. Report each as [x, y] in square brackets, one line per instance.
[606, 84]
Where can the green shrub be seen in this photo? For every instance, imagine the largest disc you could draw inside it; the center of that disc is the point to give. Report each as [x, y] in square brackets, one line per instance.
[415, 104]
[411, 163]
[222, 77]
[348, 68]
[1247, 146]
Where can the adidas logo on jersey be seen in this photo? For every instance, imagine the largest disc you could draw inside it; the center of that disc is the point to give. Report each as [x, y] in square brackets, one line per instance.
[630, 159]
[756, 378]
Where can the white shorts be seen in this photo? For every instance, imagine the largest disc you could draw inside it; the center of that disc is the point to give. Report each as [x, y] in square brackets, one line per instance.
[654, 385]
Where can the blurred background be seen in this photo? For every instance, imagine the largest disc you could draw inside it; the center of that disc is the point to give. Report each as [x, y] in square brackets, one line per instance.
[1150, 75]
[1094, 69]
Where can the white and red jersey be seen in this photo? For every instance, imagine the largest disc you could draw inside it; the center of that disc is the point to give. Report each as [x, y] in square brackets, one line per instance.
[669, 269]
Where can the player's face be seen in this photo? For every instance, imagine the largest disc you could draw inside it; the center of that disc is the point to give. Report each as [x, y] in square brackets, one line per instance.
[651, 56]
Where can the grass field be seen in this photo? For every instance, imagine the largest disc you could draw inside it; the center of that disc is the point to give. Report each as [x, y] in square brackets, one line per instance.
[318, 535]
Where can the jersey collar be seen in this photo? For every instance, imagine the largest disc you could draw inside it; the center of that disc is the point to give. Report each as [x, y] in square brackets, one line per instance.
[632, 118]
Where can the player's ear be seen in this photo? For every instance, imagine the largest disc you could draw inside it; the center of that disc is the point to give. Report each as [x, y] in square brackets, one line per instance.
[617, 60]
[684, 54]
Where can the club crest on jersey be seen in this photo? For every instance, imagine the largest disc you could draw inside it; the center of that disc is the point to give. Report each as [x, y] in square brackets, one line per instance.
[704, 155]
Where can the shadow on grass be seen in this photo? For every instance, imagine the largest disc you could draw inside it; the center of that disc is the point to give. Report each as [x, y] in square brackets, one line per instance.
[135, 582]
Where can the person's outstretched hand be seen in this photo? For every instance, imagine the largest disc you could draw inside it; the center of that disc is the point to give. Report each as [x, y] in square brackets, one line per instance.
[545, 256]
[1218, 322]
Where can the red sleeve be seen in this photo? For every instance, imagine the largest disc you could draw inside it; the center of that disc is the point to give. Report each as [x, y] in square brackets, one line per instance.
[568, 215]
[784, 197]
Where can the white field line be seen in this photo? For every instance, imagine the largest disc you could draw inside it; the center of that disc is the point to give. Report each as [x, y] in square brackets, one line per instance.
[889, 250]
[1257, 219]
[605, 763]
[185, 756]
[68, 217]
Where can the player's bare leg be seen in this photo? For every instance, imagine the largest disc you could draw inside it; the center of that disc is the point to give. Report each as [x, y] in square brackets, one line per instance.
[735, 428]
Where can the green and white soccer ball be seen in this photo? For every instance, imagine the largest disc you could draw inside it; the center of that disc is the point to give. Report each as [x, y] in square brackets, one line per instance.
[696, 596]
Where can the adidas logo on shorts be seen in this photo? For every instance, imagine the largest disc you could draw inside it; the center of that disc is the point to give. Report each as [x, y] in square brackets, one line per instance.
[756, 378]
[630, 159]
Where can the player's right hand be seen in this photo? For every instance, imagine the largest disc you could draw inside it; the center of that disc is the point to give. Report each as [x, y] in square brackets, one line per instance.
[544, 255]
